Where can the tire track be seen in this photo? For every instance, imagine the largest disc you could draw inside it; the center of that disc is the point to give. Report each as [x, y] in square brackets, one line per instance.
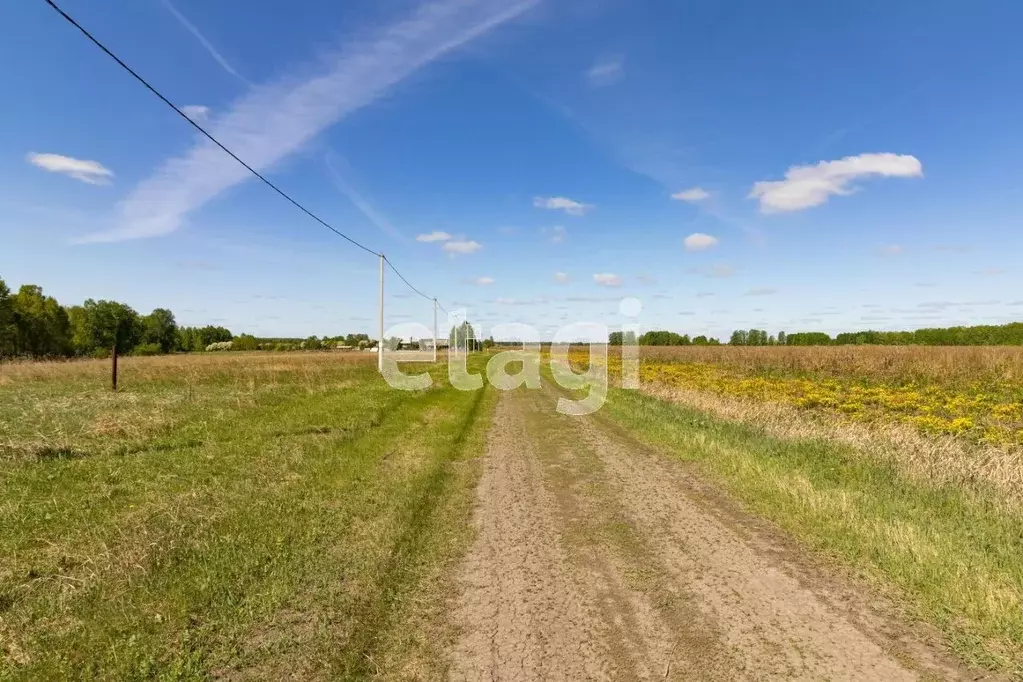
[596, 558]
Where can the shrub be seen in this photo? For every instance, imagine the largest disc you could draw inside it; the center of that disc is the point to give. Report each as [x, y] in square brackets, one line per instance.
[147, 349]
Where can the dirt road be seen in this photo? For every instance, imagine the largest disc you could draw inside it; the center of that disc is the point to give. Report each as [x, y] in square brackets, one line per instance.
[596, 558]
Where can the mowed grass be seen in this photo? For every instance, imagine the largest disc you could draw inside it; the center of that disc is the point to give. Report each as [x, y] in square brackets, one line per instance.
[952, 552]
[239, 516]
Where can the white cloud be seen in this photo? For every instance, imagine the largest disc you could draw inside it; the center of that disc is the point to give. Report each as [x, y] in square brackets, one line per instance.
[358, 200]
[91, 172]
[606, 72]
[435, 236]
[890, 250]
[196, 112]
[806, 186]
[606, 279]
[761, 292]
[562, 204]
[461, 246]
[699, 241]
[692, 195]
[219, 58]
[483, 281]
[562, 277]
[276, 119]
[559, 234]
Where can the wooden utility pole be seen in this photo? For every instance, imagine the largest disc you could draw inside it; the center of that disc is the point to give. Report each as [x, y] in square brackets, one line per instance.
[380, 342]
[113, 367]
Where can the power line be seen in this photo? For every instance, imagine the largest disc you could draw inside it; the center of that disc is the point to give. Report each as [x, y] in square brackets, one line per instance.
[217, 142]
[202, 130]
[391, 265]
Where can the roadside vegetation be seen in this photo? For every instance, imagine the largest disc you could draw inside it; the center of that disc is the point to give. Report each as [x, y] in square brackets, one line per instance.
[895, 489]
[240, 515]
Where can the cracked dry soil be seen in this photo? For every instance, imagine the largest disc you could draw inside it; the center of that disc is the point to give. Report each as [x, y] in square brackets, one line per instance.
[596, 558]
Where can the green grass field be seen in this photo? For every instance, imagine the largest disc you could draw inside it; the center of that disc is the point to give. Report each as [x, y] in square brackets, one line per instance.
[242, 516]
[260, 515]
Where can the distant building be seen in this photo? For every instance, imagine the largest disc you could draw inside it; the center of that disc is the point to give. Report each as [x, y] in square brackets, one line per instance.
[427, 344]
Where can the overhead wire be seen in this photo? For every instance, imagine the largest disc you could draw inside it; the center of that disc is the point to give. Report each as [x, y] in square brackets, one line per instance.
[95, 41]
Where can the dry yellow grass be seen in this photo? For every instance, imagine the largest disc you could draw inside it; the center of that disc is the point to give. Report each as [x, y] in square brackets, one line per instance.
[935, 458]
[941, 364]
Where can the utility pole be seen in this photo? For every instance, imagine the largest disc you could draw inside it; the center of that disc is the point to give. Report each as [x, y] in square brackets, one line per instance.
[380, 342]
[435, 330]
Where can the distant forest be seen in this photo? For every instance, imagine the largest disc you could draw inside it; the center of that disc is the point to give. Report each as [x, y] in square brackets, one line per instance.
[35, 325]
[981, 335]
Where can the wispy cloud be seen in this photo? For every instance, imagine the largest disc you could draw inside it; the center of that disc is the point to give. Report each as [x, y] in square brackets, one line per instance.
[276, 119]
[699, 241]
[807, 186]
[196, 112]
[461, 247]
[90, 172]
[558, 234]
[435, 236]
[693, 195]
[717, 270]
[359, 201]
[606, 72]
[607, 279]
[224, 64]
[763, 291]
[891, 250]
[483, 281]
[562, 277]
[569, 206]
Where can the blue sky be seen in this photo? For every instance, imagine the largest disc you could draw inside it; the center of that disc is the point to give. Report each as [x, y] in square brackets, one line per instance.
[797, 166]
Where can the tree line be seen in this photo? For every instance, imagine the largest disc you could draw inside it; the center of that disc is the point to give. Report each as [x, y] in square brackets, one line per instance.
[659, 338]
[1010, 334]
[35, 325]
[980, 335]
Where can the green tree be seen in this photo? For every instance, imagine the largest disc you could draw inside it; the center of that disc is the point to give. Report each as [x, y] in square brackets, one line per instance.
[781, 339]
[42, 325]
[159, 327]
[615, 339]
[462, 336]
[8, 328]
[105, 323]
[244, 342]
[312, 343]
